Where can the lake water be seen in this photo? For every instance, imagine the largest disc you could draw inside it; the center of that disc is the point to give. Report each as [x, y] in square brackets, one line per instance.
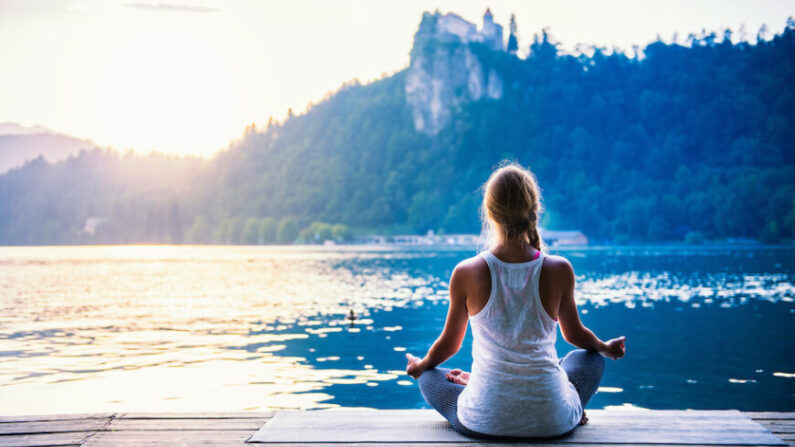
[85, 329]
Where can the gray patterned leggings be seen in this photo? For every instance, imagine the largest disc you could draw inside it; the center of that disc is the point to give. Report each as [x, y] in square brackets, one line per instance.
[584, 369]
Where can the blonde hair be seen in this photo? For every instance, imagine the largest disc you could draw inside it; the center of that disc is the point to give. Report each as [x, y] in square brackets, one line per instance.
[511, 207]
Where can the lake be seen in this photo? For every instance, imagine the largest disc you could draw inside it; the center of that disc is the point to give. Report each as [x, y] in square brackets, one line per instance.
[226, 328]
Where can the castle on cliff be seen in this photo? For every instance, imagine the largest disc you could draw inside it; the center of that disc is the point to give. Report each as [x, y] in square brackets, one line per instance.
[444, 74]
[454, 25]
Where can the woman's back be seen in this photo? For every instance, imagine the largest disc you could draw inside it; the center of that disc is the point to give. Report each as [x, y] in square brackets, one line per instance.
[517, 387]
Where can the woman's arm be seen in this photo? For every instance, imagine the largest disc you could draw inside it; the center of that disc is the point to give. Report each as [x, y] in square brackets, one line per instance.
[455, 328]
[571, 327]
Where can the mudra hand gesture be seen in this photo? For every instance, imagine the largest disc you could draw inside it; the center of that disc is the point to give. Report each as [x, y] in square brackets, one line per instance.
[615, 348]
[414, 368]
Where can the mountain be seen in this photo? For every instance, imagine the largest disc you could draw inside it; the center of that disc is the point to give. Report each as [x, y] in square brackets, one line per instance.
[20, 144]
[676, 142]
[9, 128]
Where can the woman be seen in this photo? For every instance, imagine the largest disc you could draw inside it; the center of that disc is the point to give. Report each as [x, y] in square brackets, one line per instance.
[514, 296]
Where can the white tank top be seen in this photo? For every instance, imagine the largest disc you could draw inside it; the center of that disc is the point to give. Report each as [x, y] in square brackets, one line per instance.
[517, 387]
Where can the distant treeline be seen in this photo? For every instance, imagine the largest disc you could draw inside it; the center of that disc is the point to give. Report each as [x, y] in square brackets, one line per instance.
[253, 231]
[684, 142]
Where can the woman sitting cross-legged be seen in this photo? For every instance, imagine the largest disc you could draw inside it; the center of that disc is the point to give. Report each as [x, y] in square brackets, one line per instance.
[514, 296]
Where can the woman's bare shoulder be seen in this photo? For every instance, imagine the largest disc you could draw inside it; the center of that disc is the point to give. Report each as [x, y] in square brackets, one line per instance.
[471, 269]
[471, 279]
[472, 265]
[557, 268]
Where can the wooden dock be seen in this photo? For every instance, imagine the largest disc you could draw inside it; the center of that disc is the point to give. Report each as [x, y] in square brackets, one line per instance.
[231, 429]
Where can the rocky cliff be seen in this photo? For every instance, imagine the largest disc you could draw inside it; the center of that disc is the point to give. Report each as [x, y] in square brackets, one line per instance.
[445, 71]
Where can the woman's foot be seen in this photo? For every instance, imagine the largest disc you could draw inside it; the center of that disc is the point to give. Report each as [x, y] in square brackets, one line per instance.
[458, 376]
[584, 419]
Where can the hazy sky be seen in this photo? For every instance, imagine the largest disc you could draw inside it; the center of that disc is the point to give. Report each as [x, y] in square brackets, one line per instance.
[187, 76]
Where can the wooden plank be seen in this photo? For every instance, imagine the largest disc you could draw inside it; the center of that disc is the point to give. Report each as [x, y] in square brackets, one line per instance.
[775, 421]
[628, 414]
[204, 438]
[50, 439]
[684, 420]
[777, 425]
[607, 427]
[478, 444]
[788, 437]
[57, 426]
[673, 433]
[53, 417]
[357, 426]
[185, 424]
[613, 412]
[200, 415]
[770, 415]
[226, 429]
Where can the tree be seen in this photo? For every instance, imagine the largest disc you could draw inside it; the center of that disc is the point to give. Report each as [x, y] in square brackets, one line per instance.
[230, 231]
[250, 234]
[694, 238]
[611, 139]
[513, 44]
[544, 48]
[323, 232]
[341, 232]
[199, 232]
[288, 230]
[222, 232]
[236, 227]
[317, 232]
[267, 231]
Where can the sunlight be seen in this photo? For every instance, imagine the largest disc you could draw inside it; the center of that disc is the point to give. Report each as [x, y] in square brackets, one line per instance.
[214, 213]
[148, 252]
[160, 86]
[189, 81]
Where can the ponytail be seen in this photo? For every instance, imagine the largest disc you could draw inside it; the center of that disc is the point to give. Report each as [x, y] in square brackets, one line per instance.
[512, 207]
[535, 238]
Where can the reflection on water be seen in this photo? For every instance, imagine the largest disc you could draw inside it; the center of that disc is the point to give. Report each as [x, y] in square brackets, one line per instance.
[236, 328]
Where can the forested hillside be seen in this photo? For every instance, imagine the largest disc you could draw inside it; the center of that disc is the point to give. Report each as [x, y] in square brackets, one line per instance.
[687, 141]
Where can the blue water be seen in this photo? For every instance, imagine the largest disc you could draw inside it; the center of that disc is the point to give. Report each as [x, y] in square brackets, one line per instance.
[683, 351]
[243, 328]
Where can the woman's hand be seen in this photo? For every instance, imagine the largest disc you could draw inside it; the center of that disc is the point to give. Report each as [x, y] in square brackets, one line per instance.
[615, 349]
[458, 376]
[414, 367]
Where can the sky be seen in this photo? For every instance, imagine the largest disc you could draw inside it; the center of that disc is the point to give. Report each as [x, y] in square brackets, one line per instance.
[187, 76]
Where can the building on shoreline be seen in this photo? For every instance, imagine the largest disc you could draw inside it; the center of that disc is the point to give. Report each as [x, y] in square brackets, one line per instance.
[553, 238]
[429, 238]
[557, 238]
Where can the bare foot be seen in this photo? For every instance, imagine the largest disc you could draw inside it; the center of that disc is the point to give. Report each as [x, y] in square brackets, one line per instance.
[584, 419]
[458, 376]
